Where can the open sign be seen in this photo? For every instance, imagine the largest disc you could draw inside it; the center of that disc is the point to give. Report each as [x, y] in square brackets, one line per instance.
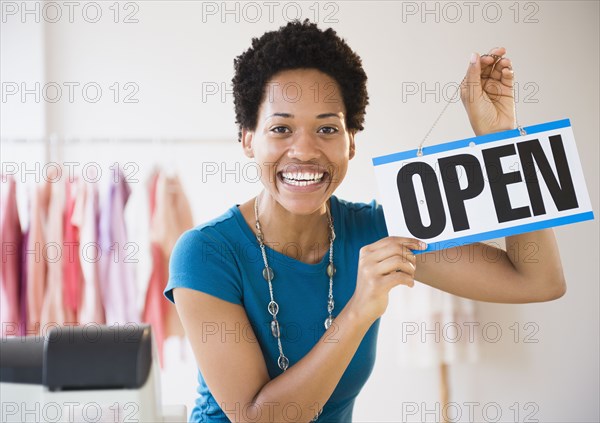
[485, 187]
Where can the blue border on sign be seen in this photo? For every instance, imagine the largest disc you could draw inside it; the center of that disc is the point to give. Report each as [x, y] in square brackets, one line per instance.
[499, 233]
[453, 145]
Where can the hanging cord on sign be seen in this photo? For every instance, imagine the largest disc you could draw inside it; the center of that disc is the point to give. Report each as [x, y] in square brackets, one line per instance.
[519, 127]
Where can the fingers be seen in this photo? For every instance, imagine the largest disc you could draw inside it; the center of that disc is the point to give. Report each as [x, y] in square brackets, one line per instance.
[391, 245]
[398, 278]
[391, 260]
[497, 67]
[470, 87]
[508, 76]
[396, 264]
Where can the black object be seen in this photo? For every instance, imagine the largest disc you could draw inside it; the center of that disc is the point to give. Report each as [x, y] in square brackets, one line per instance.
[75, 357]
[21, 359]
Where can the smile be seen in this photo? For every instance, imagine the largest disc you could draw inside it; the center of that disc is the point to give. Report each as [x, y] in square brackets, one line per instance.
[302, 178]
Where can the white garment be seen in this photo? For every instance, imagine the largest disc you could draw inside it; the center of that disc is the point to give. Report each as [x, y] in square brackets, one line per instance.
[433, 326]
[137, 221]
[179, 377]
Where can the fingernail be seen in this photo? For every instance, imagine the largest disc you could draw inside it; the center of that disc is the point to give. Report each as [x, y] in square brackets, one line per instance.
[473, 58]
[423, 245]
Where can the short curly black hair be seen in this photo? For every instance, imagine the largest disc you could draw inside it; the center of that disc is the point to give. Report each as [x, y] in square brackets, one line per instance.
[292, 46]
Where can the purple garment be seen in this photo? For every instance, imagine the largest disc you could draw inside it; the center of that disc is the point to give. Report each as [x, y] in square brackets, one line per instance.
[117, 277]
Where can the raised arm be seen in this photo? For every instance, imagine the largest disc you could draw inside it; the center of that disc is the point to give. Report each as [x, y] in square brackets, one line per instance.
[530, 269]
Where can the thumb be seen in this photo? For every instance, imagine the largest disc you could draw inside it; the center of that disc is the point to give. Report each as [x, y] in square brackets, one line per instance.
[470, 88]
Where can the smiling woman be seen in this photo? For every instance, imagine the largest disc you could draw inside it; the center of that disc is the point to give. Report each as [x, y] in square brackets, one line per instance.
[307, 142]
[285, 291]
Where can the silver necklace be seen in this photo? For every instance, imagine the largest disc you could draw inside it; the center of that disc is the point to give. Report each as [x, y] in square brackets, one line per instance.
[269, 275]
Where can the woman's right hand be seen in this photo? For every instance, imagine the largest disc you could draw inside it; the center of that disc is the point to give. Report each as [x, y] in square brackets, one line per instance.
[383, 265]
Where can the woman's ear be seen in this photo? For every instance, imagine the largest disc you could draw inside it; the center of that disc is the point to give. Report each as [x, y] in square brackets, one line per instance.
[352, 146]
[247, 142]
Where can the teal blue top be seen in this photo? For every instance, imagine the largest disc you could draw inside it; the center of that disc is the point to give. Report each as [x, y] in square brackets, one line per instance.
[222, 257]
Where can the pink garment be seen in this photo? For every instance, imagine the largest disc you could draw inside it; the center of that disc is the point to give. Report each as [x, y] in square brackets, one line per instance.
[156, 309]
[117, 277]
[85, 218]
[171, 215]
[11, 259]
[53, 312]
[35, 261]
[23, 284]
[72, 274]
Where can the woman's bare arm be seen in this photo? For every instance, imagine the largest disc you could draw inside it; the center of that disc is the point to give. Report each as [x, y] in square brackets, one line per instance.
[529, 270]
[233, 365]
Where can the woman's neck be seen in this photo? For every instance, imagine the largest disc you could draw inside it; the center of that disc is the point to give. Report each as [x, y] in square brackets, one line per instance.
[302, 237]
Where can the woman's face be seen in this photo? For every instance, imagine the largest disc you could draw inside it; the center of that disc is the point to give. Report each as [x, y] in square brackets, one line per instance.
[301, 142]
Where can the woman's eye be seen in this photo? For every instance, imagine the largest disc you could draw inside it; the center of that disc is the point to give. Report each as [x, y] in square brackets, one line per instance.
[280, 129]
[328, 130]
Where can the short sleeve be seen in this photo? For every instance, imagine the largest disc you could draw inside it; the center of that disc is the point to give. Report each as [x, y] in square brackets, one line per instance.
[195, 264]
[379, 219]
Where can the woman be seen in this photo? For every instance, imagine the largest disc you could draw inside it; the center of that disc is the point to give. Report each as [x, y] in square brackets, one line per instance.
[257, 301]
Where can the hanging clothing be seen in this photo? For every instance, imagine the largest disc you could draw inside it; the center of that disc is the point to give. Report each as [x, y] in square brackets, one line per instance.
[137, 219]
[156, 309]
[171, 215]
[35, 260]
[53, 312]
[437, 327]
[23, 284]
[86, 218]
[119, 292]
[11, 258]
[71, 263]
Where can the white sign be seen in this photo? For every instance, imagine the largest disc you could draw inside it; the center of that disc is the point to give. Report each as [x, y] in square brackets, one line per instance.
[485, 187]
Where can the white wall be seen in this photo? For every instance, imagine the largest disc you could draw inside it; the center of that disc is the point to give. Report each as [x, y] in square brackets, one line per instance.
[174, 50]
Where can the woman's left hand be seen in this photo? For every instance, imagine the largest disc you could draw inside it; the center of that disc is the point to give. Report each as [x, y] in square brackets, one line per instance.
[487, 93]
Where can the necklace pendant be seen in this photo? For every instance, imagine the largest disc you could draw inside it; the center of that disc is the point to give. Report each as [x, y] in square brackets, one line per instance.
[330, 270]
[283, 362]
[328, 322]
[330, 305]
[273, 308]
[275, 328]
[268, 274]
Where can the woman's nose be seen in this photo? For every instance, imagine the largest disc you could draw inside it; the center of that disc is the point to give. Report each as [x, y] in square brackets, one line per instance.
[304, 147]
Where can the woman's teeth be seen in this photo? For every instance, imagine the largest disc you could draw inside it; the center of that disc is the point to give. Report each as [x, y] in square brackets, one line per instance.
[302, 178]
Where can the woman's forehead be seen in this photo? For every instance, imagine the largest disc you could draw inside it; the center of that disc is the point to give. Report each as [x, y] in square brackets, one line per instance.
[301, 90]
